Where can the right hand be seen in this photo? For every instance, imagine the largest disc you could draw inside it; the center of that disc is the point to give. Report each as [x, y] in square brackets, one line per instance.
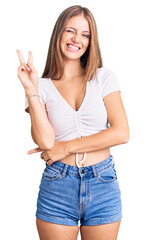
[27, 73]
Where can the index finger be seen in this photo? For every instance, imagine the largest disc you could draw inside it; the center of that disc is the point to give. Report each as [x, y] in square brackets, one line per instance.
[35, 150]
[21, 59]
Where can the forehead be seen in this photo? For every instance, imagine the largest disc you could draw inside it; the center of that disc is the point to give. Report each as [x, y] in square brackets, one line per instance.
[79, 23]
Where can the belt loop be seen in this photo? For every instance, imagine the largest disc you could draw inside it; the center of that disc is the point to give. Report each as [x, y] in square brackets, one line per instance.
[94, 170]
[64, 170]
[113, 161]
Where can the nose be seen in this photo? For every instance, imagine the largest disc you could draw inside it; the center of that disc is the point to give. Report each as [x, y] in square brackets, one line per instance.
[76, 38]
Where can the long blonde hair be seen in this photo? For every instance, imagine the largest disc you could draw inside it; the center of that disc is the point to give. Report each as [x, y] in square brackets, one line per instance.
[90, 60]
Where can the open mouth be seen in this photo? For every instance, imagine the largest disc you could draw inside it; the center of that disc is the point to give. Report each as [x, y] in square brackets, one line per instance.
[72, 48]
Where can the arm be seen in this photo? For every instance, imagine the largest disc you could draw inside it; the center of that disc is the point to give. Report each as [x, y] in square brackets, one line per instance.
[118, 133]
[41, 130]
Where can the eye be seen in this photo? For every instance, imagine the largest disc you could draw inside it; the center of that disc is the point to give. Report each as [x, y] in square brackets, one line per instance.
[69, 31]
[88, 36]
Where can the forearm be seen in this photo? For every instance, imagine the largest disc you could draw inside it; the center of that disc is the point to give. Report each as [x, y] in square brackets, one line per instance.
[107, 138]
[41, 127]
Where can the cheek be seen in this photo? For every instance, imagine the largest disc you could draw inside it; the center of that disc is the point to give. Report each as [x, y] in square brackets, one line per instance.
[62, 42]
[65, 36]
[86, 44]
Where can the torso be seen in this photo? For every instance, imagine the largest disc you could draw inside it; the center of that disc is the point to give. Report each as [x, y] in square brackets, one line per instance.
[73, 92]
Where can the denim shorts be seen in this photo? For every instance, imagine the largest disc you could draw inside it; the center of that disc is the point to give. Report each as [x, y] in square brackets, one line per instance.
[70, 194]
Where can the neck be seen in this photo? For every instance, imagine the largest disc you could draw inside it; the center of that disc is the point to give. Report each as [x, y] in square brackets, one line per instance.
[72, 69]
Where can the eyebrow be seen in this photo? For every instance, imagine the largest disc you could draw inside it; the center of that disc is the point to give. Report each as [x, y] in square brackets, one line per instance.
[75, 29]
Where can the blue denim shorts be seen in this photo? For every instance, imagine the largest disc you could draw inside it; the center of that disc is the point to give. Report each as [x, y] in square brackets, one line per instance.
[89, 195]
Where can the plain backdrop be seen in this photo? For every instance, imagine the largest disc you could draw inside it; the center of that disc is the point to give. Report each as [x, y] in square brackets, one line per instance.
[27, 25]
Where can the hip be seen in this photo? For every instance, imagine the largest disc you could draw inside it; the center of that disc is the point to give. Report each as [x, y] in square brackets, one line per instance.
[70, 194]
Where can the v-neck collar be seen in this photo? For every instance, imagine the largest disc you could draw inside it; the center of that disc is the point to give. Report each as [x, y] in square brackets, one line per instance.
[61, 97]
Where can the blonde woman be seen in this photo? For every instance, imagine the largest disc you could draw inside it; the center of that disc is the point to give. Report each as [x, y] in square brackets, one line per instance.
[76, 114]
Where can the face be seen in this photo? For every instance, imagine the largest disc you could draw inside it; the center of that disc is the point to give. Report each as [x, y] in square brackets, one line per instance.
[75, 38]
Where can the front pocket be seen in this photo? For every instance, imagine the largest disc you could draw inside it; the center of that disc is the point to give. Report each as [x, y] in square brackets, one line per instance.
[50, 174]
[107, 174]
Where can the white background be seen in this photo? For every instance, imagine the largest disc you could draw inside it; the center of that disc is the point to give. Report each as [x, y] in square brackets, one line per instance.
[27, 25]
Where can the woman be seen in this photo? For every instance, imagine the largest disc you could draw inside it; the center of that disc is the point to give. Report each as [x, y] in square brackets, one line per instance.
[71, 106]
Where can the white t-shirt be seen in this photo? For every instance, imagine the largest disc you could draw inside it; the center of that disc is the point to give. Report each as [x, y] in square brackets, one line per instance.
[90, 118]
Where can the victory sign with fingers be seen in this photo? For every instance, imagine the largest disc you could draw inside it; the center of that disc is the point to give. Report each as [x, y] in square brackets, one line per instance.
[27, 73]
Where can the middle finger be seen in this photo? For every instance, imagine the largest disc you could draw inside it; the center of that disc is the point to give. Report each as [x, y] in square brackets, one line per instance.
[30, 58]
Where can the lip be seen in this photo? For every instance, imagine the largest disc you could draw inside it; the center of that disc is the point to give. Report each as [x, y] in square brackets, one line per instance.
[72, 50]
[74, 45]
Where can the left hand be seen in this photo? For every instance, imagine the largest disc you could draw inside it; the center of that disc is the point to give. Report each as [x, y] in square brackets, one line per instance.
[56, 153]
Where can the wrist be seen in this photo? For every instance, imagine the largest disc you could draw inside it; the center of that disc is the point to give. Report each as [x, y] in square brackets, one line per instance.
[30, 92]
[69, 147]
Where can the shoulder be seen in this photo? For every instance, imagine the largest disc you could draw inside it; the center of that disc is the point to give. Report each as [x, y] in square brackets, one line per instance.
[43, 81]
[104, 72]
[108, 80]
[44, 84]
[44, 88]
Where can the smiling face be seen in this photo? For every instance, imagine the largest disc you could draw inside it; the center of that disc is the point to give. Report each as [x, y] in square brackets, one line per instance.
[75, 38]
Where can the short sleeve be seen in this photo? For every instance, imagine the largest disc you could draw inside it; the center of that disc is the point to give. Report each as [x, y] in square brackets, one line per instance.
[109, 82]
[40, 94]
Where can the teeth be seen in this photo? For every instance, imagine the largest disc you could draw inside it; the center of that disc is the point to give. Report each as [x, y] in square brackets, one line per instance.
[73, 47]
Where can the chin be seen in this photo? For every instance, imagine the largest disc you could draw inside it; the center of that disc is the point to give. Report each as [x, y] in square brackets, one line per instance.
[71, 57]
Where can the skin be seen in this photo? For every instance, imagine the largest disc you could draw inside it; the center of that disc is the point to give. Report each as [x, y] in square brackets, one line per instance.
[27, 73]
[77, 32]
[46, 230]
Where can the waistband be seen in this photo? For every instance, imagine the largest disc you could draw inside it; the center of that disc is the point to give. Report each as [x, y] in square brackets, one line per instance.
[63, 167]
